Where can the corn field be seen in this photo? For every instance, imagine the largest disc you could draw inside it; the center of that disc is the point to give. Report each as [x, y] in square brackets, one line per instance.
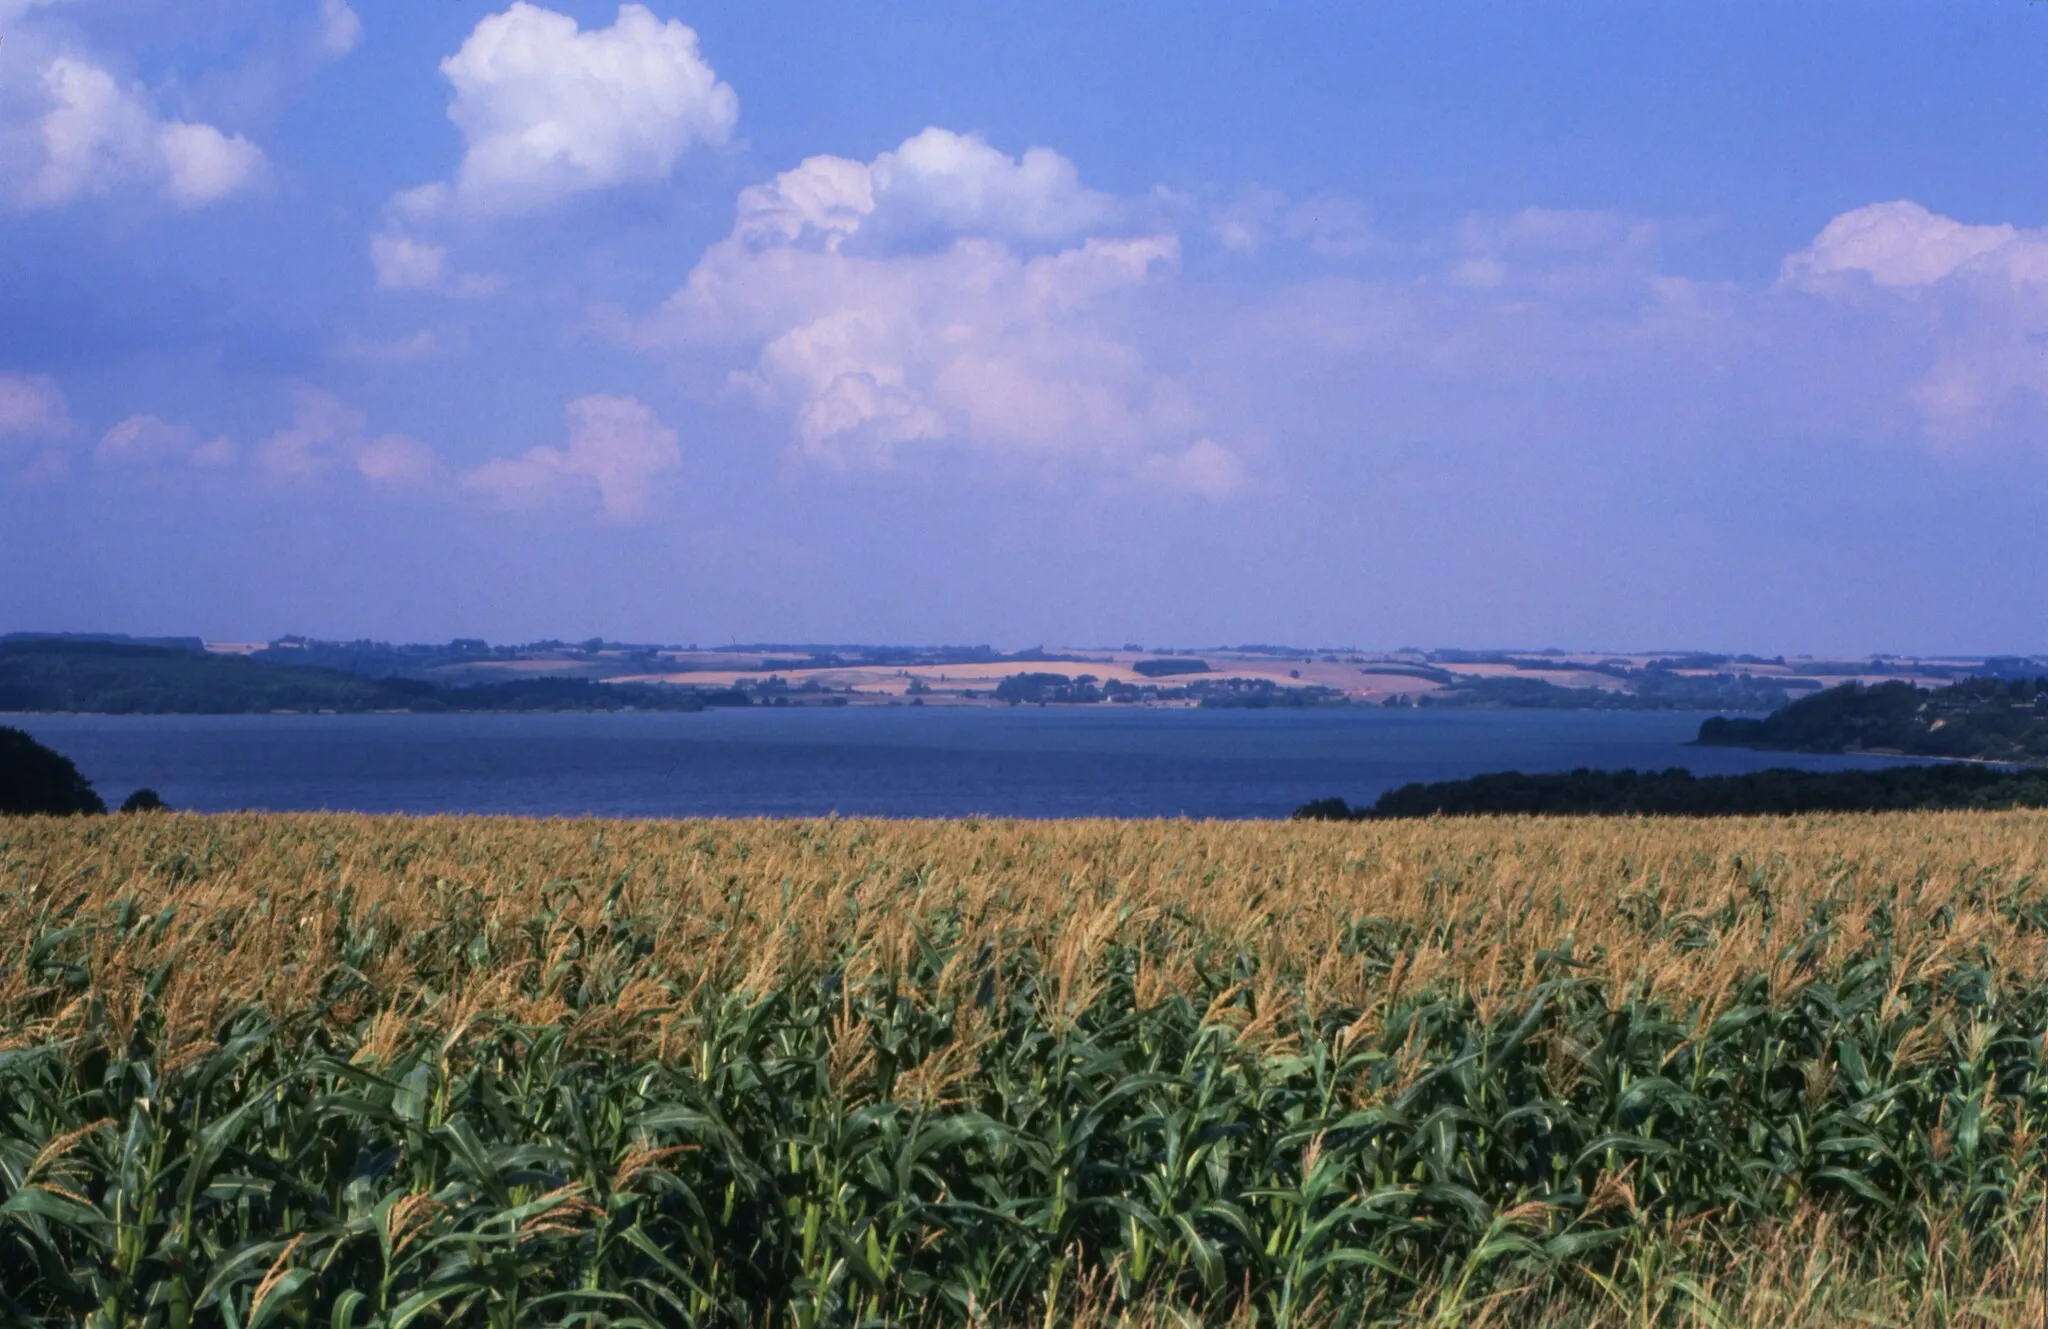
[345, 1071]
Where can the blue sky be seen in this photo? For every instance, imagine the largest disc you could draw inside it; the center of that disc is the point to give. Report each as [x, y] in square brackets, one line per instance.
[1587, 325]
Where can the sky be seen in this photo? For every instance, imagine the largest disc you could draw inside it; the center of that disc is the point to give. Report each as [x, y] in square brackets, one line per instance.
[1567, 324]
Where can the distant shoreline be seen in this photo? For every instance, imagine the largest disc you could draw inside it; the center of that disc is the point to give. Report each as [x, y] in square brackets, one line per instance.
[990, 707]
[189, 675]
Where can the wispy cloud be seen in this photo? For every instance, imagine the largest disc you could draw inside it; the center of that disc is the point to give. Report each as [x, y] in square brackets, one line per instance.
[35, 419]
[146, 440]
[327, 435]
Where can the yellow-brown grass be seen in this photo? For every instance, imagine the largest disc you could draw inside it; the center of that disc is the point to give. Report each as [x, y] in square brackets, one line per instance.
[249, 908]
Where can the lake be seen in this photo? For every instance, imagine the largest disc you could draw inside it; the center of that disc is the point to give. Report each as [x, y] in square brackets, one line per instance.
[881, 761]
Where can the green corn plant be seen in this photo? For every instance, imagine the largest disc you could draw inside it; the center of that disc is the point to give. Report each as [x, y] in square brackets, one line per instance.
[461, 1115]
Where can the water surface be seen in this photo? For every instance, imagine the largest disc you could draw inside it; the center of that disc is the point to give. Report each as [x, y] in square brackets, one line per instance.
[885, 761]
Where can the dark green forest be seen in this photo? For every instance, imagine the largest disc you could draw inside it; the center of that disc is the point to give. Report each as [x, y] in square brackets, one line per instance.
[113, 678]
[1986, 719]
[1679, 793]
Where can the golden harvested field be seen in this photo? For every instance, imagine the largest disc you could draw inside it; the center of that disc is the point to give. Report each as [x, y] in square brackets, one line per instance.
[381, 1070]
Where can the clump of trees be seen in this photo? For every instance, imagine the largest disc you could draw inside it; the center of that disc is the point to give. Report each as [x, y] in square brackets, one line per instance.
[1168, 665]
[1261, 693]
[1048, 689]
[1038, 689]
[37, 781]
[145, 800]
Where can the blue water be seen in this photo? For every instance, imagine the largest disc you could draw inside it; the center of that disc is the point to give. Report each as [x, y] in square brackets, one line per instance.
[886, 761]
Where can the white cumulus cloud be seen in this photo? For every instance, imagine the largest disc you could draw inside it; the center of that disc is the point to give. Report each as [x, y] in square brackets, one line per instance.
[393, 459]
[405, 262]
[1001, 331]
[618, 448]
[95, 135]
[548, 110]
[1897, 244]
[936, 185]
[341, 29]
[1969, 300]
[1206, 468]
[32, 406]
[958, 183]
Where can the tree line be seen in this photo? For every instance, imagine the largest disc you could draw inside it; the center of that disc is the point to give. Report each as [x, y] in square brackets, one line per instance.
[1679, 793]
[120, 679]
[1987, 719]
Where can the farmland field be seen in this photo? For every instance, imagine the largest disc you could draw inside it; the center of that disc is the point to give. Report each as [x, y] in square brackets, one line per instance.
[272, 1070]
